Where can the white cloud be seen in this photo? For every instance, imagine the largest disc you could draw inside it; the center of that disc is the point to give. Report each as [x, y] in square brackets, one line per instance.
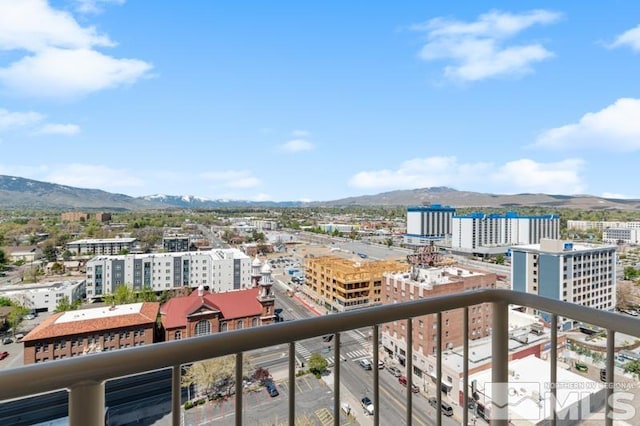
[94, 6]
[615, 127]
[517, 176]
[479, 50]
[91, 176]
[629, 38]
[297, 145]
[562, 177]
[300, 133]
[59, 54]
[10, 119]
[238, 179]
[59, 129]
[70, 73]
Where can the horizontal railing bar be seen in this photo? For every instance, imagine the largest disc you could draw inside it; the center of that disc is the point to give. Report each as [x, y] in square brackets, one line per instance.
[49, 376]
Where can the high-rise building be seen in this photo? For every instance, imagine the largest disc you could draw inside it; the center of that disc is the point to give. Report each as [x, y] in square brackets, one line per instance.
[428, 223]
[220, 270]
[477, 230]
[578, 273]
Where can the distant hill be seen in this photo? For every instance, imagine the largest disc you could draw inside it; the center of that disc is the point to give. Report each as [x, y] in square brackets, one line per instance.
[455, 198]
[21, 193]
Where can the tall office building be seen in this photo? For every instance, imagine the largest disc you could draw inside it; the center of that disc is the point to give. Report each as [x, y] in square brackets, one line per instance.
[578, 273]
[428, 223]
[477, 230]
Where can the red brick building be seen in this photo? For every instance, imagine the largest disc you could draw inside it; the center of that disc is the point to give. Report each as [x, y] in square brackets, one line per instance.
[430, 282]
[76, 333]
[203, 312]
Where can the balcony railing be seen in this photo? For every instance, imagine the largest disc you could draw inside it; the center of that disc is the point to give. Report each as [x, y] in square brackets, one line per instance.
[84, 376]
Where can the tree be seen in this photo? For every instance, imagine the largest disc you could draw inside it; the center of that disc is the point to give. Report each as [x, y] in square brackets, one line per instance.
[208, 374]
[123, 294]
[64, 305]
[57, 268]
[317, 364]
[500, 259]
[389, 242]
[50, 253]
[15, 316]
[147, 295]
[3, 258]
[631, 273]
[66, 255]
[261, 374]
[633, 367]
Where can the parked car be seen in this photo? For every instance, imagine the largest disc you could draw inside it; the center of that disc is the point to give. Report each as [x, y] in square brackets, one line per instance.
[271, 388]
[395, 371]
[380, 364]
[581, 366]
[447, 409]
[7, 340]
[366, 364]
[403, 381]
[367, 405]
[3, 355]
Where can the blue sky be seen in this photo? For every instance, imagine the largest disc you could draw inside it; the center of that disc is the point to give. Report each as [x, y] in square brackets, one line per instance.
[300, 100]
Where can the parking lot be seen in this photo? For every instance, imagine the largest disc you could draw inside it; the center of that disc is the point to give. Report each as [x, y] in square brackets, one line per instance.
[314, 406]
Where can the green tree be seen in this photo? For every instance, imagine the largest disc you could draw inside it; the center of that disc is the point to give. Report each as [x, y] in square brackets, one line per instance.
[147, 295]
[123, 294]
[205, 374]
[499, 259]
[5, 301]
[50, 253]
[66, 255]
[64, 305]
[3, 258]
[389, 242]
[317, 364]
[57, 268]
[633, 367]
[15, 316]
[631, 273]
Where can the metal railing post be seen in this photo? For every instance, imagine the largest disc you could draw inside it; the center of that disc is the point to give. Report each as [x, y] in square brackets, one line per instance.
[610, 365]
[86, 402]
[465, 366]
[336, 381]
[376, 374]
[439, 370]
[239, 379]
[176, 395]
[500, 364]
[553, 362]
[292, 383]
[409, 372]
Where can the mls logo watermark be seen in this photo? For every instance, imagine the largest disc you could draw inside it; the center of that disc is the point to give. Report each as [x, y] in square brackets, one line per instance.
[535, 401]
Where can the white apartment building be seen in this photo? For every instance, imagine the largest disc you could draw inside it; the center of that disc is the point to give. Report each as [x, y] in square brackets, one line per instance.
[477, 230]
[621, 235]
[578, 273]
[428, 223]
[220, 270]
[600, 225]
[44, 297]
[95, 246]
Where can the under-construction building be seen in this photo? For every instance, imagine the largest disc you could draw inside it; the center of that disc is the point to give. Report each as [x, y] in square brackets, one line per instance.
[341, 284]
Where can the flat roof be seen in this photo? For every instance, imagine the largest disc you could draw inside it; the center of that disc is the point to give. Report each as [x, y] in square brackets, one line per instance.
[99, 313]
[529, 391]
[103, 240]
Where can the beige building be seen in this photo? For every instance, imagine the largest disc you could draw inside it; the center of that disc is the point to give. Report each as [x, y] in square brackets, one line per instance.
[425, 282]
[341, 284]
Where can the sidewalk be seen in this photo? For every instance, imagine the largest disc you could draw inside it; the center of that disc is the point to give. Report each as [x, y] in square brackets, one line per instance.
[346, 397]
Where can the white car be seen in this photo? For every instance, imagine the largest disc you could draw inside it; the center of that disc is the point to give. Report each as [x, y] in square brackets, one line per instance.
[367, 405]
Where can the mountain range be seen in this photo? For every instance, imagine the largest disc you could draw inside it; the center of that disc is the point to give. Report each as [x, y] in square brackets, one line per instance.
[21, 193]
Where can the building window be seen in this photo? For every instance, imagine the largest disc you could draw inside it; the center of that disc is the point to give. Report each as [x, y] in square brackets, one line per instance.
[203, 327]
[240, 324]
[178, 335]
[254, 322]
[223, 326]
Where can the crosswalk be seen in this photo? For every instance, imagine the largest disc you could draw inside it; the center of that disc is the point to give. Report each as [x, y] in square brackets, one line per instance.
[355, 355]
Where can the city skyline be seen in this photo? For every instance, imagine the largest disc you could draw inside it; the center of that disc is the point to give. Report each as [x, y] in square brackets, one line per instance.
[313, 102]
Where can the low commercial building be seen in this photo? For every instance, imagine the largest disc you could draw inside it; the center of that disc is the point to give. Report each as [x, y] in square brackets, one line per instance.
[45, 297]
[176, 242]
[530, 401]
[97, 246]
[621, 236]
[77, 333]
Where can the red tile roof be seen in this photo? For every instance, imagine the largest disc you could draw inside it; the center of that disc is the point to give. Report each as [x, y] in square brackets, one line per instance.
[49, 328]
[231, 304]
